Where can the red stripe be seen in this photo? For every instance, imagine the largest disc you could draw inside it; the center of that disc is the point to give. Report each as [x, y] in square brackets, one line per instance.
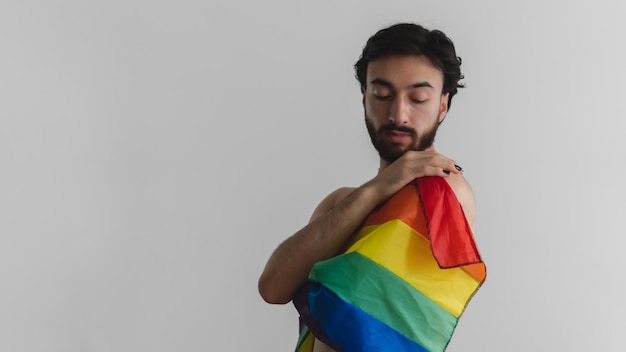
[450, 235]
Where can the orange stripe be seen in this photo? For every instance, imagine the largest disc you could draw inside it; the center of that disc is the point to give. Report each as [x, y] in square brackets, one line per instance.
[405, 206]
[478, 271]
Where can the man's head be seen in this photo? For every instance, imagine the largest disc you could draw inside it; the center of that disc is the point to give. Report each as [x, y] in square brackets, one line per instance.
[408, 76]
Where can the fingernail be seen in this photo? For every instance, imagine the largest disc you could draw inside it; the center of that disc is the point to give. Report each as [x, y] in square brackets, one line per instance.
[447, 172]
[458, 167]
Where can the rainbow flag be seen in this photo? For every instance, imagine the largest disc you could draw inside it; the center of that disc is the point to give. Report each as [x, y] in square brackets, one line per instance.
[403, 283]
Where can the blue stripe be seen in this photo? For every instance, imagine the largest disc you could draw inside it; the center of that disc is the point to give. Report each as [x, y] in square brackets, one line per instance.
[352, 329]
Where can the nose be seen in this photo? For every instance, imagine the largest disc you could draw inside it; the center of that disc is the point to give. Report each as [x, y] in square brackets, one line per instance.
[398, 112]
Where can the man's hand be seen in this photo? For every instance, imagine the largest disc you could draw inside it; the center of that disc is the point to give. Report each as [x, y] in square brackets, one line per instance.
[411, 165]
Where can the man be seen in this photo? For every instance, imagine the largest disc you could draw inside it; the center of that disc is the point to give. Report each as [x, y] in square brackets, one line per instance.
[408, 76]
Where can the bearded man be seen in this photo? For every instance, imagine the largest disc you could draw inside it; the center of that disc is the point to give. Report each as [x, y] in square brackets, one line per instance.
[408, 76]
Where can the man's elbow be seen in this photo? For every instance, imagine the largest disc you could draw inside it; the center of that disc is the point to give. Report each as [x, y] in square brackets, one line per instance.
[271, 293]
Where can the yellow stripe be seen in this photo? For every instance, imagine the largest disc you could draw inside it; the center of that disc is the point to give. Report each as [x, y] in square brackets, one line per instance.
[405, 252]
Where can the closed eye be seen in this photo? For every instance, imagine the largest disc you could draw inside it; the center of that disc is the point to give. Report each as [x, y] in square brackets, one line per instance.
[382, 97]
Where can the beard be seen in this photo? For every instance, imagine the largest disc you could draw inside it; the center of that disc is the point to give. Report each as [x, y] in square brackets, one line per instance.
[391, 152]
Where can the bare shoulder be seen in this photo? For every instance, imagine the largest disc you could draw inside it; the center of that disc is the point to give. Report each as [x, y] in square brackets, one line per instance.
[465, 195]
[331, 200]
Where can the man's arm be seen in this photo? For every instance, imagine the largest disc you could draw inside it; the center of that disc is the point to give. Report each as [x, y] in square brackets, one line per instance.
[336, 219]
[333, 222]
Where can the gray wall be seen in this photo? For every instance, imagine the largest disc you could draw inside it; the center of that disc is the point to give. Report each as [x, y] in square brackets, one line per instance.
[155, 153]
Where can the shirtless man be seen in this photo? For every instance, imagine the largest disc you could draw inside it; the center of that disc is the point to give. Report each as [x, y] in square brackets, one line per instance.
[408, 76]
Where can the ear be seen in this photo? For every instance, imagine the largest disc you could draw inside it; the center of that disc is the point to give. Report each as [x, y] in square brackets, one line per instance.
[443, 107]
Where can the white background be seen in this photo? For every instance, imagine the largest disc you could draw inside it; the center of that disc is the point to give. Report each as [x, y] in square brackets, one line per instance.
[154, 153]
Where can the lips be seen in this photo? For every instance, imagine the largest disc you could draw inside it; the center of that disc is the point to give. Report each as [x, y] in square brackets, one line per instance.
[398, 136]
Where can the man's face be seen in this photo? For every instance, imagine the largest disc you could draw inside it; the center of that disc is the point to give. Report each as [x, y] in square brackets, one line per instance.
[403, 104]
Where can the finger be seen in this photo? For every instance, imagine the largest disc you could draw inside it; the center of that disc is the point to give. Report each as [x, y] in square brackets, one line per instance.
[436, 171]
[456, 169]
[448, 166]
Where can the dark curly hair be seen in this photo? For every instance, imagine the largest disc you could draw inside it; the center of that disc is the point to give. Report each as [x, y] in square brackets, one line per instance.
[413, 39]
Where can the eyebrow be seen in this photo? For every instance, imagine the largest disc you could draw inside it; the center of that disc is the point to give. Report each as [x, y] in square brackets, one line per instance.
[382, 82]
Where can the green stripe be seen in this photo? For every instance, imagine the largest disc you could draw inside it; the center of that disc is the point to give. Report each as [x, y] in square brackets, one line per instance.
[385, 296]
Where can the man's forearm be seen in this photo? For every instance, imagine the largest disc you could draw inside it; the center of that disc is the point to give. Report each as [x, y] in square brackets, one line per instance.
[288, 267]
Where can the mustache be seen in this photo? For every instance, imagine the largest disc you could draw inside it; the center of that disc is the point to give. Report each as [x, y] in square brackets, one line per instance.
[394, 127]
